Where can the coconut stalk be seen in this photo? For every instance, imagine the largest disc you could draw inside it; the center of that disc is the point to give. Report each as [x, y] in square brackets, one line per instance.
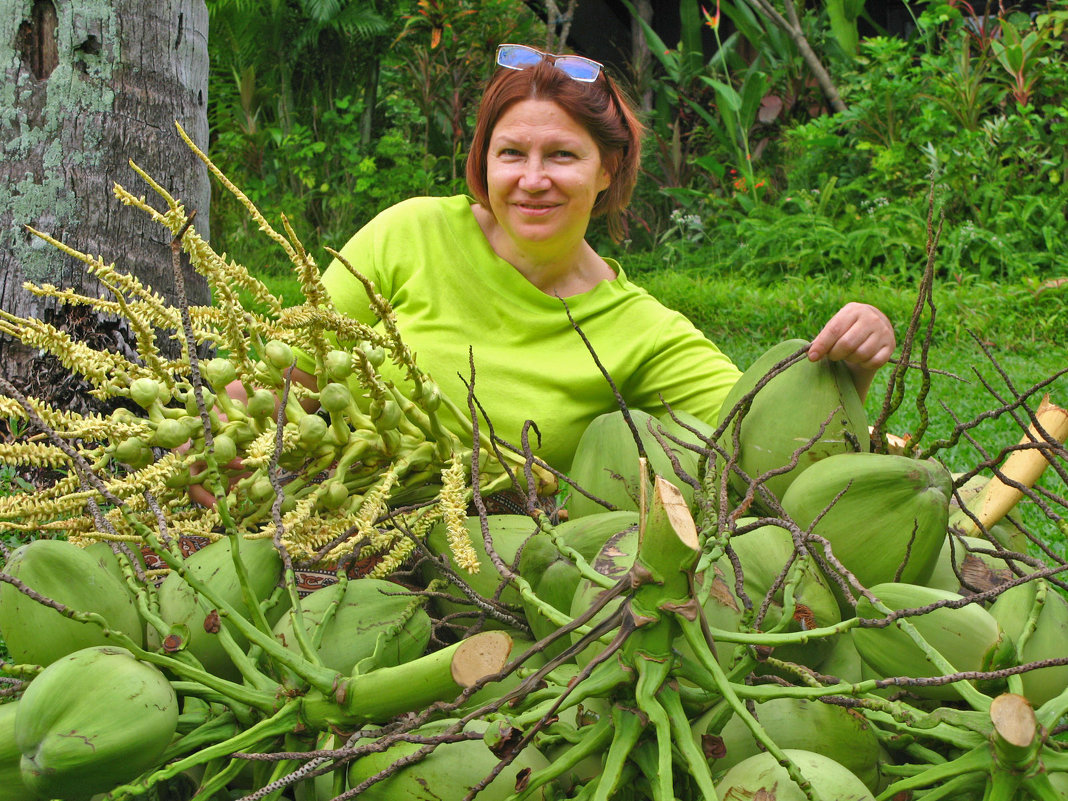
[1021, 470]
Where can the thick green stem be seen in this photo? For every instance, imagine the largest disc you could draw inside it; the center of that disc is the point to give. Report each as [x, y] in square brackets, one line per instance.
[281, 722]
[978, 760]
[218, 780]
[318, 677]
[213, 731]
[651, 675]
[599, 684]
[1040, 788]
[960, 786]
[387, 692]
[1053, 710]
[646, 756]
[696, 638]
[975, 699]
[592, 741]
[248, 595]
[696, 762]
[628, 728]
[1002, 786]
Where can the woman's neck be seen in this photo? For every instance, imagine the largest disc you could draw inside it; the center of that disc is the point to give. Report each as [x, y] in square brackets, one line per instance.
[558, 269]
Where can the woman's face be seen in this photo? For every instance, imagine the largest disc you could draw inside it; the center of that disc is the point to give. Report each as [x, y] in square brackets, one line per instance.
[543, 175]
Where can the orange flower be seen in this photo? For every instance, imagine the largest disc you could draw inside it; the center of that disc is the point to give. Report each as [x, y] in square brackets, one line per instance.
[711, 20]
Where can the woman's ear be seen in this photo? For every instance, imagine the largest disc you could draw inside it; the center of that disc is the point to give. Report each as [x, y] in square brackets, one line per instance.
[604, 180]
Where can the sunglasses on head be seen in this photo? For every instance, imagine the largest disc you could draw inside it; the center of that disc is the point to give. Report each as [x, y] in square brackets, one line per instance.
[521, 57]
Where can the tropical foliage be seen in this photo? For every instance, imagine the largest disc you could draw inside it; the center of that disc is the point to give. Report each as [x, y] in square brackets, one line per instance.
[333, 109]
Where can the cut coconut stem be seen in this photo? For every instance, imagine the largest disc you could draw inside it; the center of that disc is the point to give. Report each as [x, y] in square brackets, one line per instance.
[668, 545]
[1015, 733]
[384, 693]
[1023, 468]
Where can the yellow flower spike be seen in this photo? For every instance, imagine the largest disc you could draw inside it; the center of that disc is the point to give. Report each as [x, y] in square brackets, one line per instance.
[453, 500]
[260, 451]
[346, 328]
[394, 559]
[242, 198]
[98, 367]
[374, 504]
[33, 454]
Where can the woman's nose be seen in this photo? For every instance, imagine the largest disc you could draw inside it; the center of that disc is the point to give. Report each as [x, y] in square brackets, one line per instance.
[534, 176]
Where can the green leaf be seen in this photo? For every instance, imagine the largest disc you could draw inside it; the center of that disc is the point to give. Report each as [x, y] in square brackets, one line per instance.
[725, 93]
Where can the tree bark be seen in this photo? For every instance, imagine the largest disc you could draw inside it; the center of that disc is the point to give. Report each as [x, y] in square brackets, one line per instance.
[85, 87]
[640, 56]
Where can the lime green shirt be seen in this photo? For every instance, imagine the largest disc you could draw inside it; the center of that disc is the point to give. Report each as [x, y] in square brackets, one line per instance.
[451, 292]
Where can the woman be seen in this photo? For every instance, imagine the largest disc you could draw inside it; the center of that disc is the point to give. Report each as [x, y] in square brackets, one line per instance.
[494, 280]
[555, 144]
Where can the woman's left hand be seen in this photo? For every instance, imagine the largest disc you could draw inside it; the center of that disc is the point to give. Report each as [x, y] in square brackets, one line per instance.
[861, 336]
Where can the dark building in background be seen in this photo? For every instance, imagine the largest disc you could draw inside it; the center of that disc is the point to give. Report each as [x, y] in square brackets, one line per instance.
[601, 29]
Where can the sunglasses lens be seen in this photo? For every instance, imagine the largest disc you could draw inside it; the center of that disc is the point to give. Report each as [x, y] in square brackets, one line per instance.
[517, 57]
[521, 57]
[580, 69]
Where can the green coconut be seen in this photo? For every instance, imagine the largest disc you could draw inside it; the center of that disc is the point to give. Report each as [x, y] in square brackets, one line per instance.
[448, 773]
[12, 787]
[507, 532]
[606, 461]
[763, 553]
[786, 414]
[181, 606]
[92, 720]
[553, 576]
[834, 731]
[1049, 640]
[763, 774]
[369, 618]
[884, 516]
[968, 637]
[36, 634]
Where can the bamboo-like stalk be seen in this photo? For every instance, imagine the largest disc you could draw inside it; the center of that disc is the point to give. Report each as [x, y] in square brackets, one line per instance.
[1022, 468]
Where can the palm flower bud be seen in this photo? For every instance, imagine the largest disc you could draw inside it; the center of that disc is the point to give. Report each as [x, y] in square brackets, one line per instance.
[278, 354]
[144, 392]
[260, 404]
[338, 365]
[218, 372]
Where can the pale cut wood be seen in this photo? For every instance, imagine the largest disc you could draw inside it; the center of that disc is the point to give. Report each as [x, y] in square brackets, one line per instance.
[678, 512]
[480, 656]
[1014, 719]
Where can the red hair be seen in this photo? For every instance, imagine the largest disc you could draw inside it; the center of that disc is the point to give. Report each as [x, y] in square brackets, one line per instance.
[599, 107]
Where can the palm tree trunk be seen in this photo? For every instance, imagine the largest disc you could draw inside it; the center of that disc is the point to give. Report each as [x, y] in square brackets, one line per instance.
[86, 87]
